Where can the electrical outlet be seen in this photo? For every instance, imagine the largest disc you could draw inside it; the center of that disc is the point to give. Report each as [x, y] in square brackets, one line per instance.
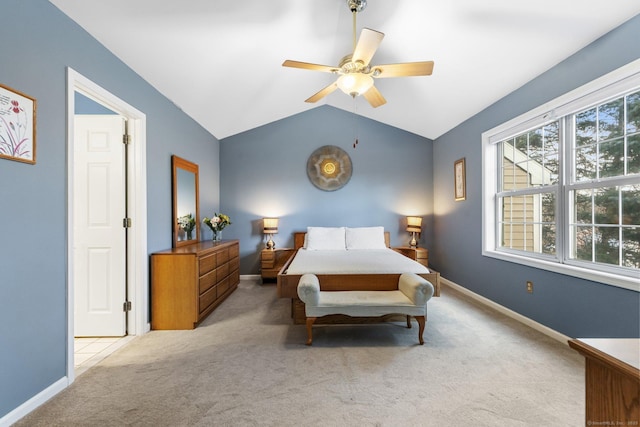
[529, 286]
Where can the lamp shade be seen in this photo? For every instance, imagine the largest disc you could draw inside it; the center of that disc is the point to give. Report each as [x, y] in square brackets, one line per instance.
[414, 224]
[355, 84]
[270, 225]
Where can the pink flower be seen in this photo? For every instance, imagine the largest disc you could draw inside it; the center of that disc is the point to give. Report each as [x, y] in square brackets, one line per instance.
[16, 107]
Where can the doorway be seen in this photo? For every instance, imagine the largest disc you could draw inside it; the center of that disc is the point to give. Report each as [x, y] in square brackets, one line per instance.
[107, 205]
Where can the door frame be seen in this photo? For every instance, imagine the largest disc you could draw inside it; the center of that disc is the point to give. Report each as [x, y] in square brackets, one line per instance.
[138, 292]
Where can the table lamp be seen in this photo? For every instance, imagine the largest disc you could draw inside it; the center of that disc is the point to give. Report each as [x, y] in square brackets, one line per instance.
[414, 225]
[270, 226]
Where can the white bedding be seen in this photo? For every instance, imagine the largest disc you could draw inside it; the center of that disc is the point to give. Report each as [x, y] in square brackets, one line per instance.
[369, 261]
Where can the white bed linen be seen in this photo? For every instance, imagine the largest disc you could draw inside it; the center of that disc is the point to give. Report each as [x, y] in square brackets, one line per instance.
[368, 261]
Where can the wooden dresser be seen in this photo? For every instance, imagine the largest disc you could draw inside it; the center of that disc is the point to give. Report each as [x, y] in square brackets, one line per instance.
[612, 380]
[189, 282]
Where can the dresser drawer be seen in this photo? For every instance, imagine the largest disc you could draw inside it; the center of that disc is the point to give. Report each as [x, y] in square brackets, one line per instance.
[207, 263]
[234, 277]
[234, 264]
[268, 256]
[223, 286]
[222, 271]
[207, 299]
[234, 251]
[222, 256]
[207, 281]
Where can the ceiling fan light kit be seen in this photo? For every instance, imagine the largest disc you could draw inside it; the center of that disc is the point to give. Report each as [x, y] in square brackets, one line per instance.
[355, 84]
[355, 73]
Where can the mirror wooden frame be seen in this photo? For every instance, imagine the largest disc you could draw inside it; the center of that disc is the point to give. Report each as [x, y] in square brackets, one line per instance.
[178, 163]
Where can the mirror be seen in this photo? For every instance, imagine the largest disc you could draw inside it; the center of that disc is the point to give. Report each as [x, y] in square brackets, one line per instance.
[186, 209]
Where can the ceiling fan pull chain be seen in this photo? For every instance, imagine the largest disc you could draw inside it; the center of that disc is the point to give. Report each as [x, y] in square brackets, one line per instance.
[355, 123]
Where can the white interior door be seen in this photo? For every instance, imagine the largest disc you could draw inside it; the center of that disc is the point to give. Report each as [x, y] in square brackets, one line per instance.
[99, 235]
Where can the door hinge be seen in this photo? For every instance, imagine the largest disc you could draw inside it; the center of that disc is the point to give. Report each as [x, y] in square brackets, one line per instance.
[126, 139]
[126, 306]
[126, 222]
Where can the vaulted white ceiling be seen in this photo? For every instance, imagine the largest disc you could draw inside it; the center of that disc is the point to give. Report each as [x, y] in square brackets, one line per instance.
[220, 61]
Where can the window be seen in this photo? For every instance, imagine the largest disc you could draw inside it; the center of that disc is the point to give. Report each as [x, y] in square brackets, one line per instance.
[527, 190]
[604, 224]
[562, 183]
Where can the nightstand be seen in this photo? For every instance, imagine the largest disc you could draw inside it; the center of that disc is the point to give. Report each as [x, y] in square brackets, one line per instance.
[420, 255]
[272, 260]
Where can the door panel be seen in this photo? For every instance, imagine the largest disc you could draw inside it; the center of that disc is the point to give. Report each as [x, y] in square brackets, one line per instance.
[99, 237]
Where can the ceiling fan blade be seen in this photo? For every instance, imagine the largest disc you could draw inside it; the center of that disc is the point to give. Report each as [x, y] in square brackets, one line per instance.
[322, 93]
[309, 66]
[374, 97]
[367, 45]
[424, 68]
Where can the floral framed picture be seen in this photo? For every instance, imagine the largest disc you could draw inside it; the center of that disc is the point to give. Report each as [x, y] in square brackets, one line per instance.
[459, 180]
[17, 126]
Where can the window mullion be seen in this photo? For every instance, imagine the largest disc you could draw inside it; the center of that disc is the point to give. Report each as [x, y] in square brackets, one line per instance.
[593, 226]
[562, 214]
[620, 241]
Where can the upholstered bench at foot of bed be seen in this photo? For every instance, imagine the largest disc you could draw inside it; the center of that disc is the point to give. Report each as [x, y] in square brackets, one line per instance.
[410, 299]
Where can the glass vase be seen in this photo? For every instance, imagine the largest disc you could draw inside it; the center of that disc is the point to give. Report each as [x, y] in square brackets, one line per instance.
[217, 235]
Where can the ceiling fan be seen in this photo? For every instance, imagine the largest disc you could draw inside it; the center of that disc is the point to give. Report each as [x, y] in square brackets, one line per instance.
[355, 72]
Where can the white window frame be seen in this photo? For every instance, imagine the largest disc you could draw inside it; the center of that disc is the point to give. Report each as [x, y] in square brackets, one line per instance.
[615, 83]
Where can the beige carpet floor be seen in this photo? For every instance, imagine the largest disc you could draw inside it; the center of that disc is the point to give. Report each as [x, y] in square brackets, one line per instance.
[247, 365]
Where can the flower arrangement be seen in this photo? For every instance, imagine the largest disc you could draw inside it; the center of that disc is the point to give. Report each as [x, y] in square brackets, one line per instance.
[187, 223]
[217, 223]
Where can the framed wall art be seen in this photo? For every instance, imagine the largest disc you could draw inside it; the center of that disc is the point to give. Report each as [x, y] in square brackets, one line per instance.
[17, 126]
[329, 168]
[459, 180]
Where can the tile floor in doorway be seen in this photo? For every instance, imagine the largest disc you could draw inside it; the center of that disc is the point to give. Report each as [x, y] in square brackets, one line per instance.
[89, 351]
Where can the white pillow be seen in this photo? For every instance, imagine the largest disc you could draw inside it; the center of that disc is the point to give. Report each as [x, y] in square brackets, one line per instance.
[365, 238]
[325, 238]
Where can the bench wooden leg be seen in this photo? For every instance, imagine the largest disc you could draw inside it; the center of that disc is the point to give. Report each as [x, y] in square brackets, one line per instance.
[421, 322]
[408, 321]
[310, 321]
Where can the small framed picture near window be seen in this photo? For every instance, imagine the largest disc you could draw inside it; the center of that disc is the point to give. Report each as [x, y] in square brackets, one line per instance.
[17, 126]
[459, 180]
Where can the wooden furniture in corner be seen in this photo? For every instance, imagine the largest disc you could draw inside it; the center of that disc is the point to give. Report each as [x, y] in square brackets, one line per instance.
[189, 282]
[420, 255]
[612, 380]
[272, 260]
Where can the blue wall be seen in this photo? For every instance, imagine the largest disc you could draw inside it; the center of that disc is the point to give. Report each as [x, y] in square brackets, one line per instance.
[263, 173]
[574, 307]
[39, 42]
[84, 105]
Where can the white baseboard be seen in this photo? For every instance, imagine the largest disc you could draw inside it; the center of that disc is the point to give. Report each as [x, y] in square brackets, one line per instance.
[31, 404]
[252, 277]
[508, 312]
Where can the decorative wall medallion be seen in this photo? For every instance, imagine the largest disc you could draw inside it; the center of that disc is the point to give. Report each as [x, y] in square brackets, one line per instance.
[329, 168]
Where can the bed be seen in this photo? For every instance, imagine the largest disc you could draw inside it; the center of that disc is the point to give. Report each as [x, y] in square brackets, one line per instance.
[345, 258]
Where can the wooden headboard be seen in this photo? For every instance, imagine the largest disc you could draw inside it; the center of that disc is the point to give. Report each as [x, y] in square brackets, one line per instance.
[298, 239]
